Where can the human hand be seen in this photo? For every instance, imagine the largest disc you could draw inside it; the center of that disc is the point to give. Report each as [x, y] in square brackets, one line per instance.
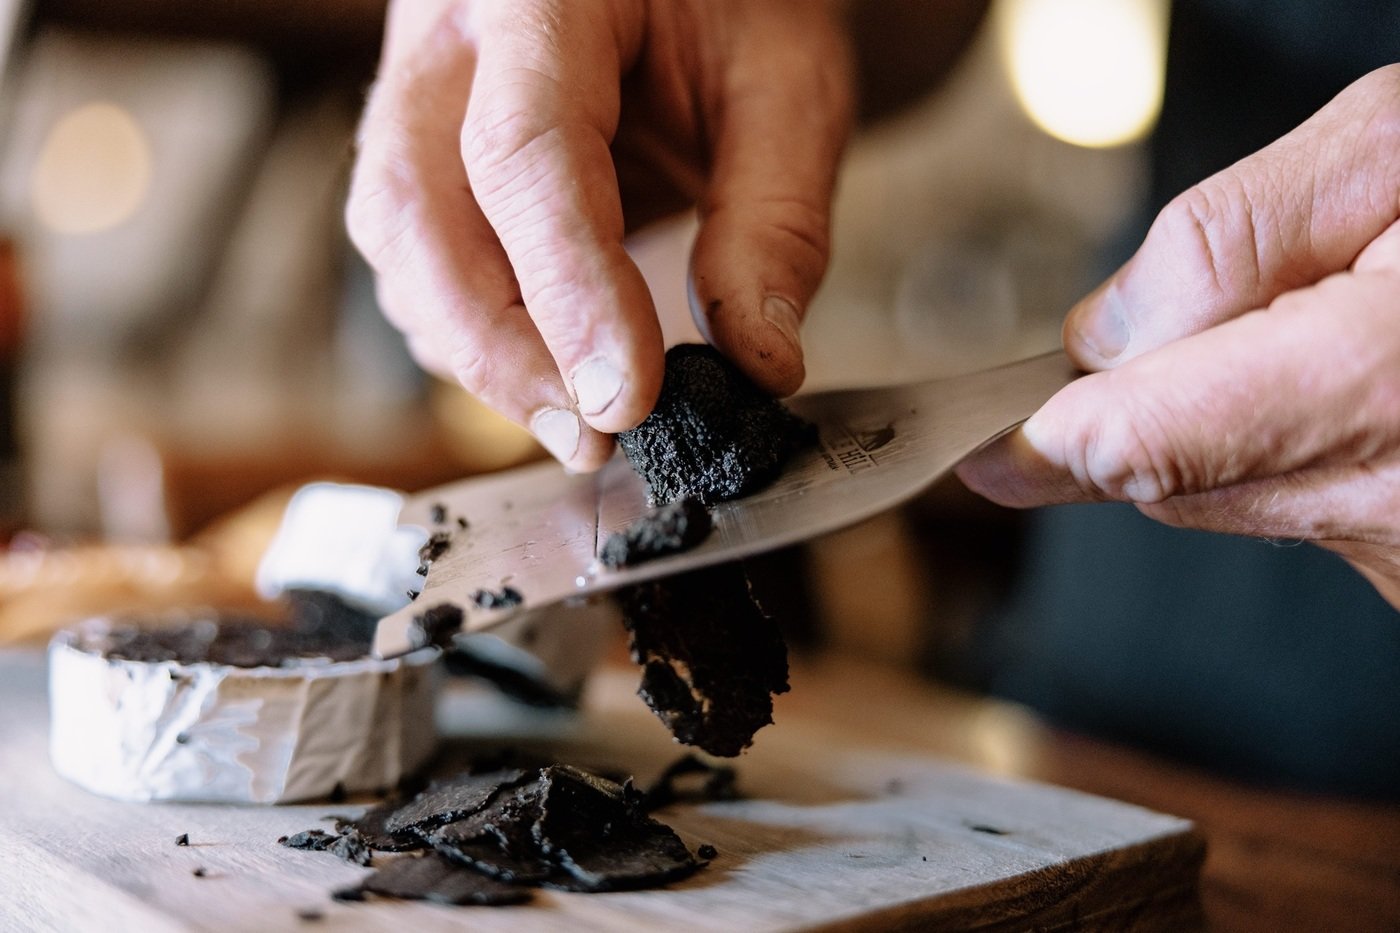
[1249, 354]
[509, 144]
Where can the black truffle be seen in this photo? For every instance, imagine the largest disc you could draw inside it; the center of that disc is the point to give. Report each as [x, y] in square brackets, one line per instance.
[711, 658]
[713, 434]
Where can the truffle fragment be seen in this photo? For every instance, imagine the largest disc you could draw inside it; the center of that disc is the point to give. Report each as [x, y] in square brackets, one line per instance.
[672, 528]
[711, 658]
[183, 839]
[349, 846]
[713, 434]
[373, 828]
[451, 800]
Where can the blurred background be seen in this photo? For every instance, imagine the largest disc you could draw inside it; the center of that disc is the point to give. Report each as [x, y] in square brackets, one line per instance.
[187, 333]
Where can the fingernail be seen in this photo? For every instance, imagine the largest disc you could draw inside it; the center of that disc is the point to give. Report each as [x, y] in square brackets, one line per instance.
[780, 313]
[1100, 324]
[558, 430]
[596, 383]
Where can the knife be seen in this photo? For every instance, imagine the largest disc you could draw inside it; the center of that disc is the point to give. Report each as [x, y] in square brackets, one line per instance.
[539, 530]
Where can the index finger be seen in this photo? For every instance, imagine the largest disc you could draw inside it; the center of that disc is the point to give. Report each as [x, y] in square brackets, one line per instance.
[544, 108]
[1308, 383]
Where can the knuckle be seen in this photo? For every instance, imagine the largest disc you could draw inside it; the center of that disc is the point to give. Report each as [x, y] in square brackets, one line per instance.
[1211, 226]
[1128, 456]
[804, 229]
[498, 135]
[1380, 133]
[378, 216]
[472, 366]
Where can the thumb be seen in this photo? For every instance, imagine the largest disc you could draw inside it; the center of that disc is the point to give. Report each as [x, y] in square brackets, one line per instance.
[1281, 219]
[764, 237]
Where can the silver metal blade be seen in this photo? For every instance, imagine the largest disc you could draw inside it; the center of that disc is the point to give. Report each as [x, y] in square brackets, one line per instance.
[538, 530]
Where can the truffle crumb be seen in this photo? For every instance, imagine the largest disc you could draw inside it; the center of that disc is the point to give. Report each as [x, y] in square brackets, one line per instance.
[183, 839]
[707, 852]
[310, 914]
[713, 434]
[672, 528]
[200, 872]
[439, 623]
[438, 513]
[507, 598]
[437, 546]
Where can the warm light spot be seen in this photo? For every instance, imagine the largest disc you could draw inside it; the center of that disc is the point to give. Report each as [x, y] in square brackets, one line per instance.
[93, 172]
[1089, 72]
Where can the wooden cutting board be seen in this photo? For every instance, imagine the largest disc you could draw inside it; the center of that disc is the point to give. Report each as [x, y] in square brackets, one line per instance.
[835, 833]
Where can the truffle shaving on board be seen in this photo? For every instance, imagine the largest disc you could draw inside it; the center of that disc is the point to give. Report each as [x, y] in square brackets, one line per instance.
[495, 835]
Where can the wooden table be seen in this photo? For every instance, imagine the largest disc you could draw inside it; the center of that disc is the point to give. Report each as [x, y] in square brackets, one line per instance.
[852, 741]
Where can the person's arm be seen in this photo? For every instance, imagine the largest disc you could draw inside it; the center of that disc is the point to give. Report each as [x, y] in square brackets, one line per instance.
[499, 155]
[1248, 354]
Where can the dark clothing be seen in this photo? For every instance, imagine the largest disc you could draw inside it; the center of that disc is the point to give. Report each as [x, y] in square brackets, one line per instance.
[1275, 664]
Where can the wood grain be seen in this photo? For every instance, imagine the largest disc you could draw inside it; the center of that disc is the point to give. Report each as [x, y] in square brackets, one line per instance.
[837, 834]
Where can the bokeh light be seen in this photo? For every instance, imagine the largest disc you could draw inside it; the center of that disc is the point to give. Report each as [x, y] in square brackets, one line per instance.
[1089, 72]
[93, 171]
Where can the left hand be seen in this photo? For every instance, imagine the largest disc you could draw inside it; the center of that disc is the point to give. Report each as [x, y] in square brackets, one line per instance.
[1248, 356]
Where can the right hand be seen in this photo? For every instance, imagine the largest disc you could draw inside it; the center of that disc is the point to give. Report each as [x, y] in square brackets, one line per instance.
[507, 147]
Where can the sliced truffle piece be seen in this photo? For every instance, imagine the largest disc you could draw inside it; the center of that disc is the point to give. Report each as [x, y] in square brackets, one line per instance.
[374, 830]
[452, 800]
[713, 434]
[431, 877]
[601, 840]
[711, 658]
[499, 839]
[671, 528]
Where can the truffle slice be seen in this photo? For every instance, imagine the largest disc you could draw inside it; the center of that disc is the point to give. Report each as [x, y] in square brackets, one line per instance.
[596, 832]
[452, 800]
[711, 658]
[373, 828]
[433, 878]
[670, 529]
[713, 434]
[566, 829]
